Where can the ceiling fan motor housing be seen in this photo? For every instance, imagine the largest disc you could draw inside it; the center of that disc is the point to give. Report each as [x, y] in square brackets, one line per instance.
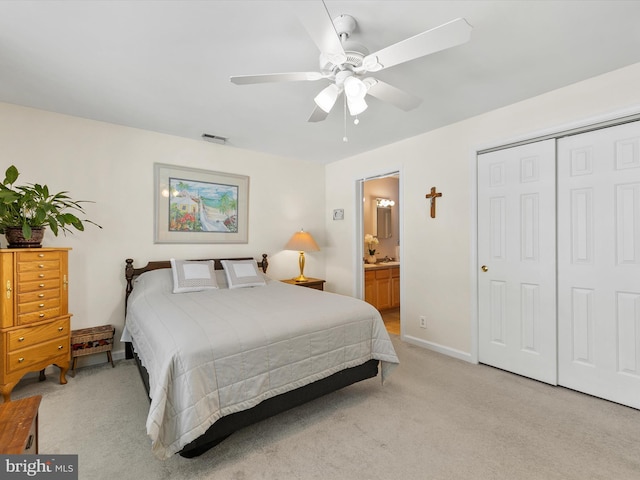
[345, 25]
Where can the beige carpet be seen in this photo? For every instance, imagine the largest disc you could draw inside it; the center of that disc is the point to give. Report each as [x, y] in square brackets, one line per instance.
[436, 418]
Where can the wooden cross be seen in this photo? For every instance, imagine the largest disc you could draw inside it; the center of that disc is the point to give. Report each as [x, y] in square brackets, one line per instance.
[433, 195]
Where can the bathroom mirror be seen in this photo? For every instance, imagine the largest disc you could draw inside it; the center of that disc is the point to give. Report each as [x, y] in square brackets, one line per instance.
[383, 218]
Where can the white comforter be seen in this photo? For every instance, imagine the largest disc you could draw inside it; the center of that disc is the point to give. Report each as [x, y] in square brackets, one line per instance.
[217, 352]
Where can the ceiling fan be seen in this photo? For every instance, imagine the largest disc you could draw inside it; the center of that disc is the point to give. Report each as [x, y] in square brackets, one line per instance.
[346, 64]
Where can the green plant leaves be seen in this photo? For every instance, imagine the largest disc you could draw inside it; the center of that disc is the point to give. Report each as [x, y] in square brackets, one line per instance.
[32, 205]
[11, 175]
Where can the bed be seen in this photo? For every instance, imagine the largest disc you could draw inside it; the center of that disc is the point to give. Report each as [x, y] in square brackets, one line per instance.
[218, 358]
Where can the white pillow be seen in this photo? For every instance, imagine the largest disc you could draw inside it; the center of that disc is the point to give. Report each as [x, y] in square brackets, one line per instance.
[193, 275]
[154, 281]
[242, 273]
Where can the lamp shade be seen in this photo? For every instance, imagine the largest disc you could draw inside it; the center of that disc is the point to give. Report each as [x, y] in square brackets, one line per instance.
[356, 106]
[327, 97]
[354, 88]
[302, 242]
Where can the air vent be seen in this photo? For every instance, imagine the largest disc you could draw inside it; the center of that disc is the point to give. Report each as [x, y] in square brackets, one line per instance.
[214, 138]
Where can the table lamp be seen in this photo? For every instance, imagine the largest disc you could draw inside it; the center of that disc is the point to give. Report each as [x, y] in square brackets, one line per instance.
[302, 242]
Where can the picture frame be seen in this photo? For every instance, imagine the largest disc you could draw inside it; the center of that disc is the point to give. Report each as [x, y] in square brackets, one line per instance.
[200, 206]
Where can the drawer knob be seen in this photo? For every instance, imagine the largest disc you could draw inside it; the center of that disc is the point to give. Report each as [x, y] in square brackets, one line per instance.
[41, 315]
[60, 329]
[41, 255]
[21, 359]
[41, 305]
[60, 347]
[41, 266]
[41, 275]
[41, 285]
[21, 339]
[41, 295]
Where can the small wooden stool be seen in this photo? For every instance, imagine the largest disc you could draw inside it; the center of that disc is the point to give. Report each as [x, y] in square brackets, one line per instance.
[88, 341]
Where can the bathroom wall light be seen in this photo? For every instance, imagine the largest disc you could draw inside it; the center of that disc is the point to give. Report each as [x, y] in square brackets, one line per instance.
[384, 202]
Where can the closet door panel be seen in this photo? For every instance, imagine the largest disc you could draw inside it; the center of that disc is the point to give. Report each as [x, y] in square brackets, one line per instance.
[599, 263]
[516, 252]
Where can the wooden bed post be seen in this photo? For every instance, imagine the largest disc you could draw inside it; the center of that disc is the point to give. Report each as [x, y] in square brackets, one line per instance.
[128, 274]
[264, 264]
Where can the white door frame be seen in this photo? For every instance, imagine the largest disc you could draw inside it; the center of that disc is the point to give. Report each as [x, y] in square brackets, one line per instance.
[592, 123]
[359, 232]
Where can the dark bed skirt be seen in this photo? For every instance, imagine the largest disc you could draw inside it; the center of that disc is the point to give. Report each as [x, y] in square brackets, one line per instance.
[272, 406]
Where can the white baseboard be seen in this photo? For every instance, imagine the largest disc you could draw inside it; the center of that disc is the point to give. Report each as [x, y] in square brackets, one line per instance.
[451, 352]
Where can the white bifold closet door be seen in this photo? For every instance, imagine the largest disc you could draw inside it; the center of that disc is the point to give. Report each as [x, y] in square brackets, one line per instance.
[517, 255]
[599, 263]
[584, 287]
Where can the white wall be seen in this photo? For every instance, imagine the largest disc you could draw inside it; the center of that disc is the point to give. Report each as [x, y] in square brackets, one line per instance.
[113, 166]
[437, 276]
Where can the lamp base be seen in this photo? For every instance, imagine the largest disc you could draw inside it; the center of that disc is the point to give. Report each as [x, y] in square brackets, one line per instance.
[301, 277]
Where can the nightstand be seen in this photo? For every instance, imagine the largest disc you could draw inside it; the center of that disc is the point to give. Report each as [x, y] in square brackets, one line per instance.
[315, 283]
[19, 426]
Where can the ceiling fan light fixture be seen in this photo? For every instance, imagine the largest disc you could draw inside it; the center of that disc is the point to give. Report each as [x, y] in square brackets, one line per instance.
[356, 106]
[326, 99]
[354, 88]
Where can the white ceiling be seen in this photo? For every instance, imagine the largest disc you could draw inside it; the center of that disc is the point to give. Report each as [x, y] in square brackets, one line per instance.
[165, 65]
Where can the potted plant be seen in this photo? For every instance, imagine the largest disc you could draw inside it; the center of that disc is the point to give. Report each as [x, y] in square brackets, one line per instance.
[25, 211]
[371, 242]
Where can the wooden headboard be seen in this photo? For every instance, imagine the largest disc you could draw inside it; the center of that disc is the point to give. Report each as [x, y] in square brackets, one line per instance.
[130, 272]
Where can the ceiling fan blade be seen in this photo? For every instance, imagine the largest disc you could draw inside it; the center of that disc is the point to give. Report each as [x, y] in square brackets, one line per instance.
[455, 32]
[318, 23]
[318, 115]
[276, 77]
[390, 94]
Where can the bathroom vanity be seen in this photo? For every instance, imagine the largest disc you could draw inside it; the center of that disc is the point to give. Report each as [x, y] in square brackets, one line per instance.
[382, 285]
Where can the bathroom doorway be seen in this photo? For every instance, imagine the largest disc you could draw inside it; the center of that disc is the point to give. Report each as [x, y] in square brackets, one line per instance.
[381, 265]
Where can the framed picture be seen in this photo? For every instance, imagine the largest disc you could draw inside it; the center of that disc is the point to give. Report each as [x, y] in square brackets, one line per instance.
[199, 206]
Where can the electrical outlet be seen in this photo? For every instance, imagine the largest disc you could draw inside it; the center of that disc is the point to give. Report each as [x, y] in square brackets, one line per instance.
[423, 321]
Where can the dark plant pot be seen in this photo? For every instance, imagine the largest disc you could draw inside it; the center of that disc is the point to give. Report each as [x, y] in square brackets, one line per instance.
[15, 239]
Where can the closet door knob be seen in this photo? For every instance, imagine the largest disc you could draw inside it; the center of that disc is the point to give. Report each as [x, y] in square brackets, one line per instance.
[484, 268]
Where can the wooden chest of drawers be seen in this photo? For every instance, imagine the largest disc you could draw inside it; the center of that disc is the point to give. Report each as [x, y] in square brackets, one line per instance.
[35, 322]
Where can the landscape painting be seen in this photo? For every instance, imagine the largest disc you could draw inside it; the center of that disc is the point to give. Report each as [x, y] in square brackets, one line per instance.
[198, 206]
[202, 206]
